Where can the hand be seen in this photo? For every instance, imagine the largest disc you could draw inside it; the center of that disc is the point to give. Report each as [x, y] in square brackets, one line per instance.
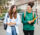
[29, 22]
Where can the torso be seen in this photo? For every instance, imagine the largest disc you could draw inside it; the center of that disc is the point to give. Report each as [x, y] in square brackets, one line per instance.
[13, 20]
[29, 17]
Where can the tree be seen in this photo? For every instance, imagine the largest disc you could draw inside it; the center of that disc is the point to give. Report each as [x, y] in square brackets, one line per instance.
[2, 4]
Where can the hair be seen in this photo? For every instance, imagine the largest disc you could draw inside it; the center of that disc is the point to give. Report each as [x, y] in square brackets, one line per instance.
[11, 11]
[31, 4]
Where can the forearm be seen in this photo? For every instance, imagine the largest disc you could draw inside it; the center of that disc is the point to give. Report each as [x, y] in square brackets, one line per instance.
[32, 21]
[11, 23]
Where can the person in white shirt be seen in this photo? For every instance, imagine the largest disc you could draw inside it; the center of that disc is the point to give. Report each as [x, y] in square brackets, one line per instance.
[12, 19]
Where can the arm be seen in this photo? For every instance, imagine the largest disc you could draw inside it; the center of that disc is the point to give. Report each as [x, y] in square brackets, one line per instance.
[5, 18]
[10, 24]
[23, 21]
[35, 19]
[5, 22]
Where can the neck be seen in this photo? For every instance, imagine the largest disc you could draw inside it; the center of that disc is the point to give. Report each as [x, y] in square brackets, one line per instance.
[29, 11]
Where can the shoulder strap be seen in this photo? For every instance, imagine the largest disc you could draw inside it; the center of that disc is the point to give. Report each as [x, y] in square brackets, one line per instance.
[24, 14]
[7, 15]
[33, 14]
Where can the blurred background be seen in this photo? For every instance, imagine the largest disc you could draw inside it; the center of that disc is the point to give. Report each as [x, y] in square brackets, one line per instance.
[21, 7]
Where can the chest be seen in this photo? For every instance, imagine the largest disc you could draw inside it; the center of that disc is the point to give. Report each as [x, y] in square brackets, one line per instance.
[11, 20]
[29, 17]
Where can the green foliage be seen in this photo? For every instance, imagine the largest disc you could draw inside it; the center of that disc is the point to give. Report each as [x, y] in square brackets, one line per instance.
[19, 10]
[4, 11]
[2, 2]
[2, 16]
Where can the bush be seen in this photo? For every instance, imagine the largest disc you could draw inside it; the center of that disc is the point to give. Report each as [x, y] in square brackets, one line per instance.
[4, 11]
[2, 16]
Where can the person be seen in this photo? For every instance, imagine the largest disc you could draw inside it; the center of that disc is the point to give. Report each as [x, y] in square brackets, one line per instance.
[27, 20]
[12, 19]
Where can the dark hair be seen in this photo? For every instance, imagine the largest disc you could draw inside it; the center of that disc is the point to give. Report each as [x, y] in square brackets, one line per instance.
[11, 11]
[31, 4]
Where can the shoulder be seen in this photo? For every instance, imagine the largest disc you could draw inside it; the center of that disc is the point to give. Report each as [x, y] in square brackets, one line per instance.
[6, 14]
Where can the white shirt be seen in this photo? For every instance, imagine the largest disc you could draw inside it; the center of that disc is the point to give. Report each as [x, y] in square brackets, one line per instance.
[8, 20]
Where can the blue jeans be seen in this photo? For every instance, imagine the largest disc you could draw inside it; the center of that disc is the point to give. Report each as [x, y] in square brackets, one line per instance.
[13, 30]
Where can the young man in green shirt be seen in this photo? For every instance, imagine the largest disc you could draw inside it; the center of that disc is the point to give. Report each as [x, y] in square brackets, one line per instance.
[27, 20]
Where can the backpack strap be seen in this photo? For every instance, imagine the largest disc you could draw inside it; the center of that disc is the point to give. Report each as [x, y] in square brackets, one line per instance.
[33, 14]
[8, 15]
